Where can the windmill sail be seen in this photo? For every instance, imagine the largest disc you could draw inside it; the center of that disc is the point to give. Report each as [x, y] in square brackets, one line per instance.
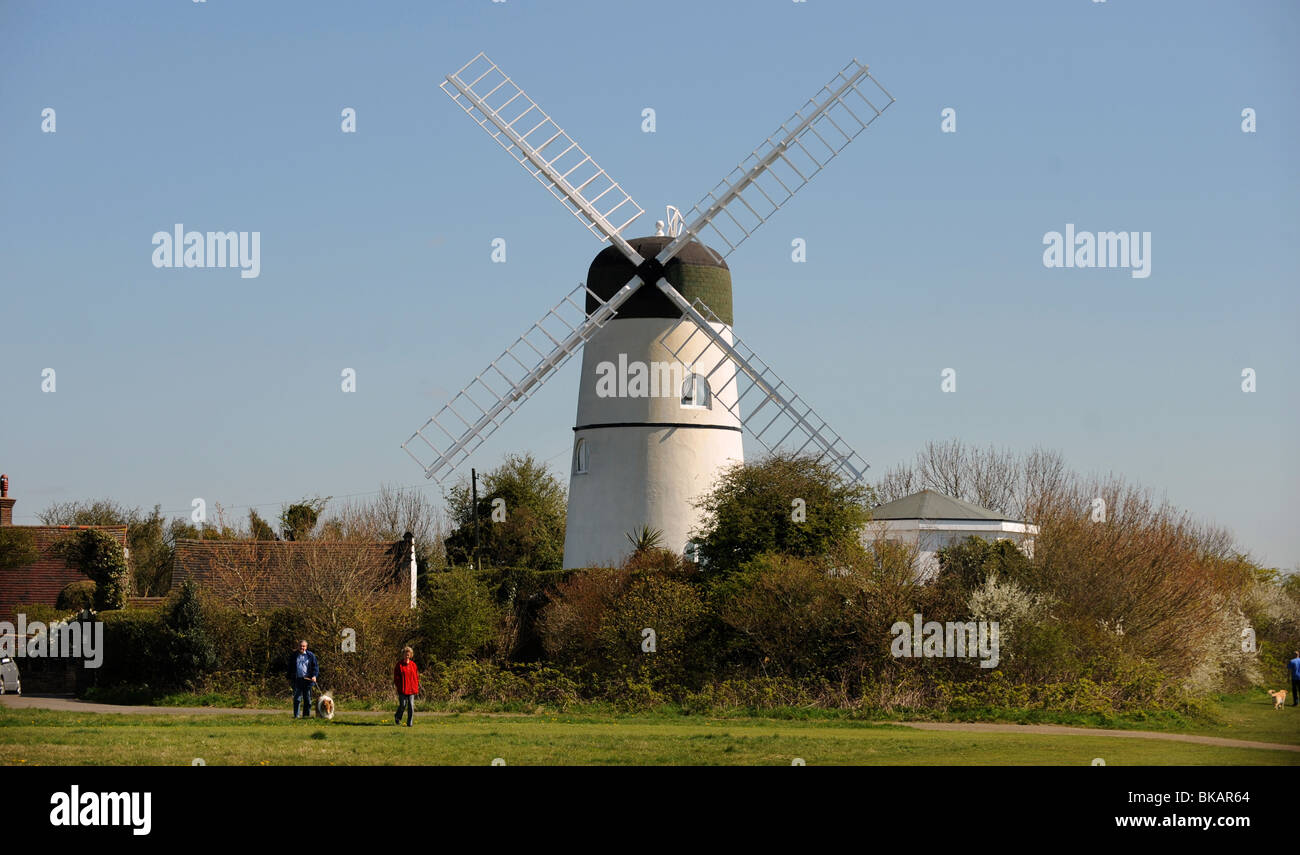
[766, 406]
[786, 161]
[447, 440]
[528, 133]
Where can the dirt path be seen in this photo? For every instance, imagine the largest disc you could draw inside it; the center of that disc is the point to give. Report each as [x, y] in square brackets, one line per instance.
[67, 703]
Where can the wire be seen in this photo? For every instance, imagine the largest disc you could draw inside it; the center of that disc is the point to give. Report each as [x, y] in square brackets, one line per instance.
[417, 485]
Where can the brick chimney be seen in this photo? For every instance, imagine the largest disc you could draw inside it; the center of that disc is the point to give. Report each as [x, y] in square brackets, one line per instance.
[6, 503]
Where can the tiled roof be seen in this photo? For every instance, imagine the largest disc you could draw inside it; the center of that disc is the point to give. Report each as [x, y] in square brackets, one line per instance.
[929, 505]
[40, 583]
[261, 574]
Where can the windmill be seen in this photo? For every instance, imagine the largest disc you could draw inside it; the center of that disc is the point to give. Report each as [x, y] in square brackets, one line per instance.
[643, 453]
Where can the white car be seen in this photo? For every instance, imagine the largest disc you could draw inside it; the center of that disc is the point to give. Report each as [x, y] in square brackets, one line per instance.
[9, 679]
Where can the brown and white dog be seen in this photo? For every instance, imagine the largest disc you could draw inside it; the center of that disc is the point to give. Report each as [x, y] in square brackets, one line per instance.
[325, 706]
[1279, 699]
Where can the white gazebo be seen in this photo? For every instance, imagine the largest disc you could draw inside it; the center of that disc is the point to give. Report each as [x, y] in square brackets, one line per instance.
[931, 521]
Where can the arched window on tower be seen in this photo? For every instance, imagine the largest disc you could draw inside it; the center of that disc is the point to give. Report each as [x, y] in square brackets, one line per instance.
[696, 393]
[580, 455]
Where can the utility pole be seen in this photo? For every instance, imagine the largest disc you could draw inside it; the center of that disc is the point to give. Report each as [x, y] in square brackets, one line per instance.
[473, 480]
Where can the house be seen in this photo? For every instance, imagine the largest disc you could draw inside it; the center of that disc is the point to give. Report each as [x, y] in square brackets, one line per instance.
[931, 521]
[256, 575]
[39, 582]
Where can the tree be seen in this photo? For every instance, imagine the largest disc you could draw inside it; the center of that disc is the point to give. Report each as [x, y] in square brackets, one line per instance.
[299, 519]
[785, 504]
[98, 554]
[333, 580]
[240, 576]
[524, 529]
[17, 548]
[182, 529]
[457, 615]
[189, 647]
[388, 516]
[997, 480]
[98, 512]
[151, 553]
[258, 528]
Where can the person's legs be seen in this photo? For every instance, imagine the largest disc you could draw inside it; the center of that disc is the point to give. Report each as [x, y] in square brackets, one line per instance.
[410, 709]
[401, 702]
[1295, 691]
[302, 689]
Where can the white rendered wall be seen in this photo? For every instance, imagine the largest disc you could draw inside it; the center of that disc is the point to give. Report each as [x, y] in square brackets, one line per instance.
[930, 536]
[646, 475]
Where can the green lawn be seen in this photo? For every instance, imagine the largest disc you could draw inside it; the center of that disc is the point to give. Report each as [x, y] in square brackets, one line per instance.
[356, 738]
[1251, 716]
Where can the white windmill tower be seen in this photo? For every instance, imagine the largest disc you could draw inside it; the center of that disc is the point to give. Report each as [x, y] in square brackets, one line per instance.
[684, 385]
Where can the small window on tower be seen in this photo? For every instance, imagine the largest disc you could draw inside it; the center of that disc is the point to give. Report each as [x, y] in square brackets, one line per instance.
[580, 457]
[696, 393]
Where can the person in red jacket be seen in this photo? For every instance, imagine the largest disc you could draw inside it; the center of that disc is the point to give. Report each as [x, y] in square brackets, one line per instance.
[406, 679]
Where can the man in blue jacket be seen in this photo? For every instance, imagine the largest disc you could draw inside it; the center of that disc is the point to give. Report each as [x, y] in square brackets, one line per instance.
[303, 672]
[1294, 667]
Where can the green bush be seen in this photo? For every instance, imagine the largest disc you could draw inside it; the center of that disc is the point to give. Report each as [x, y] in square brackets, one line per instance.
[190, 649]
[761, 694]
[526, 686]
[570, 624]
[672, 610]
[457, 615]
[76, 596]
[522, 594]
[136, 650]
[787, 616]
[1141, 689]
[44, 613]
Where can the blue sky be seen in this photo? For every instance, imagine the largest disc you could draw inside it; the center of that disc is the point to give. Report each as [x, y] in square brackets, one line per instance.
[924, 248]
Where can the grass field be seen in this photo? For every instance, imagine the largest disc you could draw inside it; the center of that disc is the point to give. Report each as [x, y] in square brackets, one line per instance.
[38, 737]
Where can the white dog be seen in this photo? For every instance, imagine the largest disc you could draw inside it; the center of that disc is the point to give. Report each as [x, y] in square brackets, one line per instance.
[325, 706]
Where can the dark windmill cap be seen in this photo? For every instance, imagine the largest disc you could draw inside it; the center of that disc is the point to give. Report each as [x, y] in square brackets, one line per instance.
[693, 271]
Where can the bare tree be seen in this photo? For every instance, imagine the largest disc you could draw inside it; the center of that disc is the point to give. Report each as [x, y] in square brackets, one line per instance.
[333, 579]
[353, 590]
[897, 482]
[388, 516]
[240, 575]
[987, 477]
[1043, 479]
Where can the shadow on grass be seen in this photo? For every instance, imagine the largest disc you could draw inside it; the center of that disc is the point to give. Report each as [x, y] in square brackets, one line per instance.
[356, 723]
